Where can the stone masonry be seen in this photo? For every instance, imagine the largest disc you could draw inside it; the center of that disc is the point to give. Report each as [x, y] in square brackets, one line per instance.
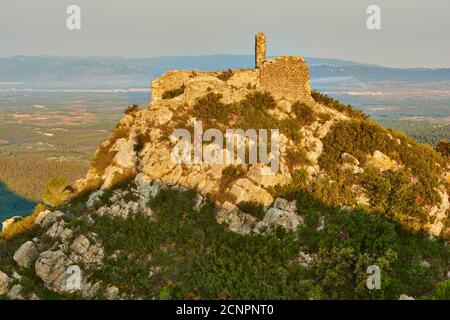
[260, 49]
[285, 77]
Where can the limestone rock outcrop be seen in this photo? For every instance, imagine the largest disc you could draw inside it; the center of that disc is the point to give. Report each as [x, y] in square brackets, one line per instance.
[26, 254]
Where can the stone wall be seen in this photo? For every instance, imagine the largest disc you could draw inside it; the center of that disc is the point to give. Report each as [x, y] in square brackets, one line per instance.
[260, 49]
[286, 77]
[174, 79]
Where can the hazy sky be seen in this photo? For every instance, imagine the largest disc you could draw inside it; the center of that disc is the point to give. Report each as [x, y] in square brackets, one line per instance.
[414, 32]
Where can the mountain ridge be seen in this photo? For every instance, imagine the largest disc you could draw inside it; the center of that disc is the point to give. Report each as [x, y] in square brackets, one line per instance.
[347, 195]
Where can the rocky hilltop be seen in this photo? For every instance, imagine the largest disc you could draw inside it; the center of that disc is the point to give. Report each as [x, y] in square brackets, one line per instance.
[276, 94]
[340, 179]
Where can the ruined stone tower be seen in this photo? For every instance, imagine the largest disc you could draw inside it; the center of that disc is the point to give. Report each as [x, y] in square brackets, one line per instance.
[260, 49]
[285, 77]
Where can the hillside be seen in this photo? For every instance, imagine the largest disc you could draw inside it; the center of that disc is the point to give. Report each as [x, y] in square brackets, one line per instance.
[336, 194]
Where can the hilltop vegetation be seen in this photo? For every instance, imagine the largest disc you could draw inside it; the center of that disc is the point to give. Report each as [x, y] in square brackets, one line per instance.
[183, 253]
[348, 195]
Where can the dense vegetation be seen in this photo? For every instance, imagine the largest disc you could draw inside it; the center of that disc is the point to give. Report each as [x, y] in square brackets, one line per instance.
[170, 94]
[360, 138]
[250, 113]
[183, 253]
[443, 147]
[335, 104]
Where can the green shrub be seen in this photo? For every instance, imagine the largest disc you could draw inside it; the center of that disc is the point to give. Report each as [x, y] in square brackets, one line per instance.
[335, 104]
[305, 114]
[443, 147]
[184, 253]
[250, 113]
[392, 194]
[361, 138]
[230, 174]
[442, 291]
[170, 94]
[296, 157]
[255, 209]
[56, 192]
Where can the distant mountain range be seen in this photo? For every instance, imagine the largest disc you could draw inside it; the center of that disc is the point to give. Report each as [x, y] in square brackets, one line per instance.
[107, 72]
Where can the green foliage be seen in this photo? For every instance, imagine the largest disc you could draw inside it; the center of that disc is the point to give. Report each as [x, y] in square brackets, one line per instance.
[141, 140]
[361, 138]
[192, 256]
[289, 191]
[335, 104]
[443, 147]
[211, 110]
[391, 193]
[443, 291]
[255, 209]
[296, 157]
[231, 173]
[250, 113]
[352, 241]
[56, 192]
[170, 94]
[305, 114]
[185, 254]
[324, 117]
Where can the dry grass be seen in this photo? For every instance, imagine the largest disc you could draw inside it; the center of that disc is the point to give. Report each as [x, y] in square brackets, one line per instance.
[22, 225]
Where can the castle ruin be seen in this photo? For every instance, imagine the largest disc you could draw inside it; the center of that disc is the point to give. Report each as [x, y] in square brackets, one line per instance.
[285, 77]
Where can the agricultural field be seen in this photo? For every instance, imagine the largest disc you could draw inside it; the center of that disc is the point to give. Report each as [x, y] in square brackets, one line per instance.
[49, 134]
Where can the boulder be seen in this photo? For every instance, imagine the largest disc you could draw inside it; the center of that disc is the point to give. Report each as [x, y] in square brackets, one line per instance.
[47, 217]
[88, 253]
[89, 290]
[281, 203]
[58, 271]
[262, 175]
[382, 162]
[305, 259]
[111, 292]
[26, 255]
[94, 198]
[16, 292]
[4, 283]
[350, 163]
[246, 191]
[59, 231]
[286, 219]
